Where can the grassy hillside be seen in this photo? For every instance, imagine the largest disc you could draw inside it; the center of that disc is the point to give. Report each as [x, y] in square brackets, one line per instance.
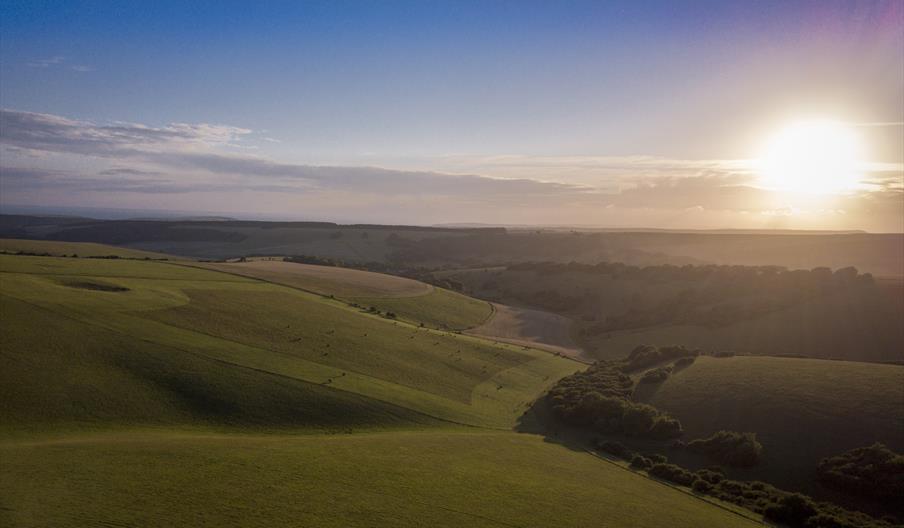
[247, 324]
[801, 409]
[82, 249]
[410, 300]
[148, 393]
[60, 373]
[441, 479]
[440, 308]
[325, 280]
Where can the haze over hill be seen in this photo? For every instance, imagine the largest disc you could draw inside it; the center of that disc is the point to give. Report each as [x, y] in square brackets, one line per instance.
[413, 246]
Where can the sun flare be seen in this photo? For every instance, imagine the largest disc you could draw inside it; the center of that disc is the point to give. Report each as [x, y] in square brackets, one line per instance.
[812, 157]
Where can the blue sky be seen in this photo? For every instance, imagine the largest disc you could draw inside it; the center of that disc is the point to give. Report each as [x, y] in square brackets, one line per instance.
[602, 101]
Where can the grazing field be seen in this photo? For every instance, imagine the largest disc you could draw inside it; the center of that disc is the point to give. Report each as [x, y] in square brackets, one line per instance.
[82, 249]
[148, 393]
[410, 300]
[440, 308]
[325, 280]
[801, 409]
[248, 324]
[529, 327]
[441, 479]
[59, 373]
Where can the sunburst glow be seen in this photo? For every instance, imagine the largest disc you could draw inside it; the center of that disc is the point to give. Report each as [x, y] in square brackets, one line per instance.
[812, 157]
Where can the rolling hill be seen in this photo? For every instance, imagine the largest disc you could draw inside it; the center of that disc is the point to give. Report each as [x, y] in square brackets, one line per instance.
[139, 392]
[81, 249]
[409, 300]
[616, 308]
[434, 247]
[801, 410]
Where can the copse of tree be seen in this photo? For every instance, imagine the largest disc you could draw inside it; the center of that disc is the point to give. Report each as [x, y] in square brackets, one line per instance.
[684, 362]
[709, 295]
[657, 375]
[875, 471]
[597, 399]
[309, 259]
[673, 473]
[644, 356]
[730, 448]
[792, 510]
[755, 275]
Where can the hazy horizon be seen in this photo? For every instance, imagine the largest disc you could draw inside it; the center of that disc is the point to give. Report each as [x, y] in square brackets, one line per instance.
[625, 115]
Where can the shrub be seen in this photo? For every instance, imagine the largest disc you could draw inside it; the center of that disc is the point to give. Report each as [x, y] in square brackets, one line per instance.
[648, 355]
[684, 362]
[639, 462]
[701, 486]
[657, 375]
[672, 473]
[874, 471]
[615, 449]
[710, 476]
[658, 459]
[638, 418]
[666, 427]
[730, 448]
[793, 509]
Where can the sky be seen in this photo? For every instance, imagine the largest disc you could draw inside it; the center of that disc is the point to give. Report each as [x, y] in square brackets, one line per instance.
[611, 114]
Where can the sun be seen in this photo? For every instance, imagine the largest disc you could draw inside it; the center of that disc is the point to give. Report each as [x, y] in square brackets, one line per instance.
[812, 157]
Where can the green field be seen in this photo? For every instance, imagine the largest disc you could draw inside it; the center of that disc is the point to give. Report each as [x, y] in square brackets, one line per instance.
[251, 324]
[442, 309]
[411, 301]
[140, 392]
[801, 409]
[441, 479]
[82, 249]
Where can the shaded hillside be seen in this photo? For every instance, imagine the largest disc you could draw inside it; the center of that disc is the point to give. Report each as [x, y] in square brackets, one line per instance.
[752, 310]
[801, 410]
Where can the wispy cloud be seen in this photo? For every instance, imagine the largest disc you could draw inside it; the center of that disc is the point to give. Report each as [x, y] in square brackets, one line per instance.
[182, 160]
[59, 61]
[47, 63]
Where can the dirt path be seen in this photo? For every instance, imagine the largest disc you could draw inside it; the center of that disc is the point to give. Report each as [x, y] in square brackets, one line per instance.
[533, 328]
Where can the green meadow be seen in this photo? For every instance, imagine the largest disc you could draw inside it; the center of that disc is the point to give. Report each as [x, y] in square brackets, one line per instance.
[138, 392]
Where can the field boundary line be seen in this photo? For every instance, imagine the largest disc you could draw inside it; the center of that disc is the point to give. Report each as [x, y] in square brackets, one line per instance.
[676, 488]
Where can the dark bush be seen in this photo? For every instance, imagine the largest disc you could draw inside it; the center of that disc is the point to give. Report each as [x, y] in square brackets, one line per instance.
[875, 471]
[701, 486]
[658, 459]
[684, 362]
[615, 449]
[672, 473]
[666, 427]
[730, 448]
[640, 462]
[793, 509]
[648, 355]
[597, 398]
[657, 375]
[710, 476]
